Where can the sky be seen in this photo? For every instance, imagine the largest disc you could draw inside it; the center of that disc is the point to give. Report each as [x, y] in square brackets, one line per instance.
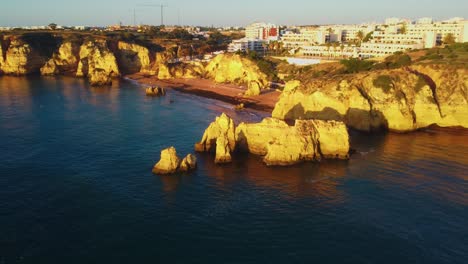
[222, 13]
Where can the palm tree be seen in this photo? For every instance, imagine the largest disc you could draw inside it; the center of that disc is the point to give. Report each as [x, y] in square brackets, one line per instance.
[449, 39]
[342, 47]
[328, 48]
[360, 36]
[403, 29]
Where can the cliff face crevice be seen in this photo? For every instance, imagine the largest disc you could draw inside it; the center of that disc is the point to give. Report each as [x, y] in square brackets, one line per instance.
[64, 60]
[428, 80]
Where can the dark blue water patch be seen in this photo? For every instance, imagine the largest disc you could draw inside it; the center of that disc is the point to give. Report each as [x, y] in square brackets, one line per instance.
[76, 187]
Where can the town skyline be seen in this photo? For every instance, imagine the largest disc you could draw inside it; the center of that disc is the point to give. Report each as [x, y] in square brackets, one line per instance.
[30, 13]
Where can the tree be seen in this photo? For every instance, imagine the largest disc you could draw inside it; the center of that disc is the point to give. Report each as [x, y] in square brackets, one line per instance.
[403, 29]
[52, 26]
[360, 36]
[449, 39]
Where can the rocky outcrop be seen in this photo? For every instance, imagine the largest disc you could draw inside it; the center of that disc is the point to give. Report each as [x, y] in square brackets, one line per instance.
[97, 63]
[223, 126]
[398, 100]
[278, 142]
[133, 58]
[169, 162]
[64, 60]
[282, 144]
[188, 163]
[232, 68]
[20, 58]
[166, 69]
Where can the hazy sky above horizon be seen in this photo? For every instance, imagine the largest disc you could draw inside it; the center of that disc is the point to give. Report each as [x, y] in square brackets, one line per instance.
[220, 13]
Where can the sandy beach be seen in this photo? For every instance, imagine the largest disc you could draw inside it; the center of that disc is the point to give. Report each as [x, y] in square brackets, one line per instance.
[228, 93]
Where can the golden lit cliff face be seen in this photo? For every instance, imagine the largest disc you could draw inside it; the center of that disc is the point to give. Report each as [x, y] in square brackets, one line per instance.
[20, 59]
[133, 58]
[231, 68]
[97, 62]
[398, 100]
[64, 60]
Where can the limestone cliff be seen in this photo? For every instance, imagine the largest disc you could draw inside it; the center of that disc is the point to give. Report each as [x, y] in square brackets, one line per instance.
[20, 58]
[97, 63]
[398, 100]
[2, 53]
[133, 58]
[282, 144]
[64, 60]
[232, 68]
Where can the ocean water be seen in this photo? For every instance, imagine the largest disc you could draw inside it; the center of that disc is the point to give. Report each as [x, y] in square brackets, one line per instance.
[76, 187]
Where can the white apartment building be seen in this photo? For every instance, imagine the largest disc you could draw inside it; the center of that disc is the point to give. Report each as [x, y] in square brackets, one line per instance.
[305, 37]
[369, 50]
[342, 51]
[246, 44]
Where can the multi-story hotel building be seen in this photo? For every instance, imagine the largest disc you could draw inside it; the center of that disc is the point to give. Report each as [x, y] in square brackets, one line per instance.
[262, 31]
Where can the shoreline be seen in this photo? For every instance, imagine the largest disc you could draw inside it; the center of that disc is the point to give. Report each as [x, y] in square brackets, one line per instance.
[228, 93]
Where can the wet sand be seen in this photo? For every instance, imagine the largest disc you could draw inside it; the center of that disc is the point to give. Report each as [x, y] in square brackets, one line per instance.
[228, 93]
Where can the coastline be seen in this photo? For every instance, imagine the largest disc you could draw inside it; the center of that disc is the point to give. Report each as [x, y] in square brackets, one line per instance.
[228, 93]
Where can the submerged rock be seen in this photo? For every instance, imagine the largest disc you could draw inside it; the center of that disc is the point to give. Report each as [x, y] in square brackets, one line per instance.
[155, 91]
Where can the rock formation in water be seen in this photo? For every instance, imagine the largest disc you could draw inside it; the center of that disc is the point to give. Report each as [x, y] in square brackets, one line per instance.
[282, 144]
[155, 91]
[97, 62]
[223, 126]
[232, 68]
[188, 163]
[170, 163]
[223, 150]
[399, 100]
[64, 60]
[278, 142]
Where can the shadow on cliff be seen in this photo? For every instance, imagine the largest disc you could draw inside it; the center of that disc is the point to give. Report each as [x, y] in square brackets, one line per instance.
[355, 118]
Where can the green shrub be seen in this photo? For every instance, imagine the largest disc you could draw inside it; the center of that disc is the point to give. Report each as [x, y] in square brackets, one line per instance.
[384, 82]
[355, 65]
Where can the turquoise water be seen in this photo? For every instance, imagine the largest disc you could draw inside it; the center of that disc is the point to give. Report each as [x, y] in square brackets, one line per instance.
[76, 187]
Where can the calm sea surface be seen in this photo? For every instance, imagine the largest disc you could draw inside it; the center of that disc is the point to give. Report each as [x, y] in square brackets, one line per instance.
[76, 187]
